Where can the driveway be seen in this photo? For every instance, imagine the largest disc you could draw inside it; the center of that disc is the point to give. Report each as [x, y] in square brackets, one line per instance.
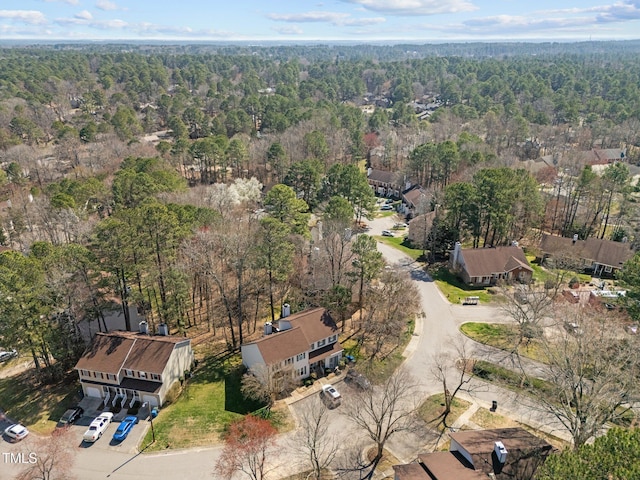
[436, 332]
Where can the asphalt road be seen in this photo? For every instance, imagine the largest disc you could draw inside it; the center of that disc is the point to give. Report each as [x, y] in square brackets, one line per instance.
[436, 333]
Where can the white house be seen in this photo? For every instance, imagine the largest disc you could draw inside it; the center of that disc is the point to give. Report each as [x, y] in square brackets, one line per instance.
[125, 367]
[300, 344]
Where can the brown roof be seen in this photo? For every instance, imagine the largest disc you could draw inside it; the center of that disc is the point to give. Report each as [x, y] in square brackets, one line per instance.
[481, 262]
[106, 354]
[113, 351]
[449, 465]
[410, 471]
[307, 327]
[316, 324]
[605, 252]
[414, 195]
[383, 176]
[280, 346]
[525, 451]
[148, 355]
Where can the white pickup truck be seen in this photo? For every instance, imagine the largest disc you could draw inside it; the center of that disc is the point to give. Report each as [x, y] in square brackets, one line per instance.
[97, 427]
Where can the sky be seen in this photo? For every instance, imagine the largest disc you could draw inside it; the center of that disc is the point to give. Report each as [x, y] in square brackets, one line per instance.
[331, 20]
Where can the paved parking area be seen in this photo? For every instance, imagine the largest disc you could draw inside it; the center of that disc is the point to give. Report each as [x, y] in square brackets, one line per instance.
[106, 442]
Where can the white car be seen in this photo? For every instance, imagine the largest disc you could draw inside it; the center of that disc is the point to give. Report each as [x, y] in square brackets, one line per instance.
[97, 427]
[387, 233]
[16, 432]
[330, 391]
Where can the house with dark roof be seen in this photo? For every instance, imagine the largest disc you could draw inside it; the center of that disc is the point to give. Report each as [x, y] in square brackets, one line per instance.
[414, 197]
[385, 183]
[123, 368]
[604, 257]
[298, 345]
[488, 266]
[501, 453]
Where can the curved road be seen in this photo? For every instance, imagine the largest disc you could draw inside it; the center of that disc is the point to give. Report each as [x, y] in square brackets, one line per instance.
[436, 332]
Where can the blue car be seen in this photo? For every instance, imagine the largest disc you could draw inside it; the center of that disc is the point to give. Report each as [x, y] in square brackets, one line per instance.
[124, 428]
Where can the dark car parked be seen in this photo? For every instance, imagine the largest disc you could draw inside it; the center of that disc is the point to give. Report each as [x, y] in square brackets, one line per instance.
[357, 379]
[70, 416]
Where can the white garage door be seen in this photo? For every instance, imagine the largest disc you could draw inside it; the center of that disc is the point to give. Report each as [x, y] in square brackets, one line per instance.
[153, 401]
[92, 392]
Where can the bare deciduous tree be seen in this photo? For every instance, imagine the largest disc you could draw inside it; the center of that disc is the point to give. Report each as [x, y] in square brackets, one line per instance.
[381, 412]
[389, 305]
[316, 446]
[454, 371]
[52, 457]
[592, 373]
[265, 385]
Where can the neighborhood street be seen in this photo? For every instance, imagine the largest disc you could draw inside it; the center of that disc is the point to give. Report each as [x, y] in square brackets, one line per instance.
[435, 334]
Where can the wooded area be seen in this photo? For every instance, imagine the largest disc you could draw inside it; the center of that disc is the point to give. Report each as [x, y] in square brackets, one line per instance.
[184, 180]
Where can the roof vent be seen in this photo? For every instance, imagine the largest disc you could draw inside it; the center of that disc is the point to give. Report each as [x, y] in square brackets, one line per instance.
[501, 452]
[143, 327]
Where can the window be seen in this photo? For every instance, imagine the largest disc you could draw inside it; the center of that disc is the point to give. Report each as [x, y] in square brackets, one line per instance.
[313, 345]
[300, 356]
[128, 373]
[155, 376]
[608, 269]
[85, 373]
[142, 374]
[101, 375]
[333, 338]
[288, 361]
[322, 342]
[110, 376]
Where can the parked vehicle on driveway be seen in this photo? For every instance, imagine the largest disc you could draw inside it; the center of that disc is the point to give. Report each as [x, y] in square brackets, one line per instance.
[357, 379]
[386, 207]
[331, 395]
[70, 416]
[387, 233]
[16, 432]
[97, 427]
[124, 428]
[7, 355]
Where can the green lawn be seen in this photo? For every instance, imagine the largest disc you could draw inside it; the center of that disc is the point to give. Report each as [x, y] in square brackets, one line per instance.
[541, 274]
[209, 403]
[502, 336]
[456, 291]
[402, 244]
[384, 213]
[433, 407]
[38, 407]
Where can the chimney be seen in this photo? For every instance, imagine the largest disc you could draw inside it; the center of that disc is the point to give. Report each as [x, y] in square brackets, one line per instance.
[369, 170]
[163, 329]
[268, 328]
[456, 254]
[286, 310]
[143, 327]
[501, 452]
[514, 243]
[575, 238]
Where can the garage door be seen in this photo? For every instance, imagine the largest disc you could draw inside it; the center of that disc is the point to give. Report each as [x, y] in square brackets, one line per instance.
[152, 400]
[92, 392]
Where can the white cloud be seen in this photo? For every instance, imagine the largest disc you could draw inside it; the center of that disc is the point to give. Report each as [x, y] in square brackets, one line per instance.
[415, 7]
[31, 17]
[289, 30]
[334, 18]
[84, 15]
[106, 5]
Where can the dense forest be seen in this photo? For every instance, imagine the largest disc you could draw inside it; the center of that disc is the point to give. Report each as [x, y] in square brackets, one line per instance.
[183, 180]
